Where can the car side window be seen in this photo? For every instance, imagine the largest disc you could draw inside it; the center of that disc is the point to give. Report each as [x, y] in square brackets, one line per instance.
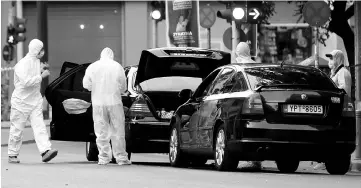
[219, 85]
[204, 87]
[238, 83]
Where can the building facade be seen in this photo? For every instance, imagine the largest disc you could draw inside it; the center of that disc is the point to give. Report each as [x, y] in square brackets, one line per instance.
[78, 31]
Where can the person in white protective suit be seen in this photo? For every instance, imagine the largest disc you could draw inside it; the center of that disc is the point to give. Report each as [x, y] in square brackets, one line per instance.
[341, 77]
[339, 74]
[243, 53]
[106, 80]
[27, 103]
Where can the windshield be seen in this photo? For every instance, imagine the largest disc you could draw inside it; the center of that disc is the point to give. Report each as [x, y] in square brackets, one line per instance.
[174, 83]
[297, 76]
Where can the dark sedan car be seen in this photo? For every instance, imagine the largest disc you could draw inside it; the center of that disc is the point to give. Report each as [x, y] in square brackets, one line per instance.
[285, 113]
[152, 96]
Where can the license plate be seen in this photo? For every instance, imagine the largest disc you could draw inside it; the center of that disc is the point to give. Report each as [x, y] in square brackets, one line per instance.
[303, 109]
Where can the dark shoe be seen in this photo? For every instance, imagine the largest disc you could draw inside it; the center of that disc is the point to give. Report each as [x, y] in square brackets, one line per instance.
[13, 159]
[49, 155]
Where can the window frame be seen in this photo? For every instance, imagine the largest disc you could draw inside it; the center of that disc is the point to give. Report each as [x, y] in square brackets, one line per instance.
[233, 71]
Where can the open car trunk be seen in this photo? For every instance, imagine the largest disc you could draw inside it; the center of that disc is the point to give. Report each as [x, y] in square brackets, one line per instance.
[164, 99]
[167, 71]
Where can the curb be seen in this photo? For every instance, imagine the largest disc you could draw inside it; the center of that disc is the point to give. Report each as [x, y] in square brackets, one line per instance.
[356, 166]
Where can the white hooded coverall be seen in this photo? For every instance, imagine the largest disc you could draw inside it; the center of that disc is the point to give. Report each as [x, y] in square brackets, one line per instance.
[106, 80]
[243, 53]
[339, 74]
[27, 102]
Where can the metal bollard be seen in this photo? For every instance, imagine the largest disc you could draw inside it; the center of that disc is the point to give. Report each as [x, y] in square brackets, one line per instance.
[358, 135]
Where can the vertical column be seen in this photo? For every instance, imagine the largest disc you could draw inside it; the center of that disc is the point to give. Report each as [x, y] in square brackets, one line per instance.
[42, 7]
[122, 32]
[20, 45]
[155, 33]
[235, 39]
[358, 76]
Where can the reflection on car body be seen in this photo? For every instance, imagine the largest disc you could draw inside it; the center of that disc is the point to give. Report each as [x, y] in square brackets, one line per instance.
[261, 112]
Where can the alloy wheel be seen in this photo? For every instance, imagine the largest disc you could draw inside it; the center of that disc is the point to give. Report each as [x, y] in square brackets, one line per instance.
[87, 147]
[173, 145]
[220, 145]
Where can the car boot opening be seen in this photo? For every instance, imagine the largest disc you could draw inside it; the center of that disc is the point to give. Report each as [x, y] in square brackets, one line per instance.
[164, 101]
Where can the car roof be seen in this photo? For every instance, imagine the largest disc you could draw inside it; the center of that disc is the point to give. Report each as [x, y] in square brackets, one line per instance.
[169, 51]
[242, 66]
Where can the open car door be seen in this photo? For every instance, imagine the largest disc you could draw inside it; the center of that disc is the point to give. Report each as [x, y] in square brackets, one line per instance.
[69, 85]
[67, 66]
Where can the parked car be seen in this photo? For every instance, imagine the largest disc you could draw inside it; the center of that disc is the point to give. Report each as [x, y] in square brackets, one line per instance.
[152, 95]
[77, 127]
[162, 73]
[285, 113]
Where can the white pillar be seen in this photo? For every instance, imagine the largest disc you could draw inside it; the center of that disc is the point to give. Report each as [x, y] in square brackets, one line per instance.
[20, 45]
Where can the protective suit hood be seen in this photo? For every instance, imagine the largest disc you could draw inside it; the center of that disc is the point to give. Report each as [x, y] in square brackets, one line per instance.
[35, 47]
[243, 53]
[107, 53]
[338, 58]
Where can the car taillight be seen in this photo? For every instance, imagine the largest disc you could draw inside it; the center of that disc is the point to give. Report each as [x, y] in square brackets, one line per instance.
[348, 107]
[140, 109]
[253, 105]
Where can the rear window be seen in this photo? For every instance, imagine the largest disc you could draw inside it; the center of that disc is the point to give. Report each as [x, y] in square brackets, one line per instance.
[175, 83]
[308, 78]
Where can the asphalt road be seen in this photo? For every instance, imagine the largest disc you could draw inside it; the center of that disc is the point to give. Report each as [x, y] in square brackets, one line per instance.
[71, 170]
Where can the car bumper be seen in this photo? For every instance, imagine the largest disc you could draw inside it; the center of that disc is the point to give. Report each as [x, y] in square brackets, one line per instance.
[273, 141]
[260, 149]
[149, 136]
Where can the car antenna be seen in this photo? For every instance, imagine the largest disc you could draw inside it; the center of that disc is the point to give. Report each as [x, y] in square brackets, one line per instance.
[283, 63]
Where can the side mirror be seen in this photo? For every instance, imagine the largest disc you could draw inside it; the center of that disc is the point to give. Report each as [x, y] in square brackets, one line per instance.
[185, 94]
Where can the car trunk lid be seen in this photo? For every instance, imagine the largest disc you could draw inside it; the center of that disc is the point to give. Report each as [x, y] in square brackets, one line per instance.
[184, 62]
[297, 95]
[302, 106]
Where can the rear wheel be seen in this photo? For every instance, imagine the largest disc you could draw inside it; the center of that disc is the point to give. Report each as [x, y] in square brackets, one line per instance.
[224, 161]
[176, 157]
[338, 167]
[287, 166]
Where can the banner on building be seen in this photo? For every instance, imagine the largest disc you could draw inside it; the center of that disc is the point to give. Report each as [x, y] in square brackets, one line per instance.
[182, 19]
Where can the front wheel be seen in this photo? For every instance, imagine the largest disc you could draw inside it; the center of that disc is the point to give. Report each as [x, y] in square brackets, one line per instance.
[176, 157]
[224, 161]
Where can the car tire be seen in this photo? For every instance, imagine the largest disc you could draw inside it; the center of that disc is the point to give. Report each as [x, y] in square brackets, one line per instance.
[176, 157]
[223, 158]
[338, 167]
[91, 151]
[287, 166]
